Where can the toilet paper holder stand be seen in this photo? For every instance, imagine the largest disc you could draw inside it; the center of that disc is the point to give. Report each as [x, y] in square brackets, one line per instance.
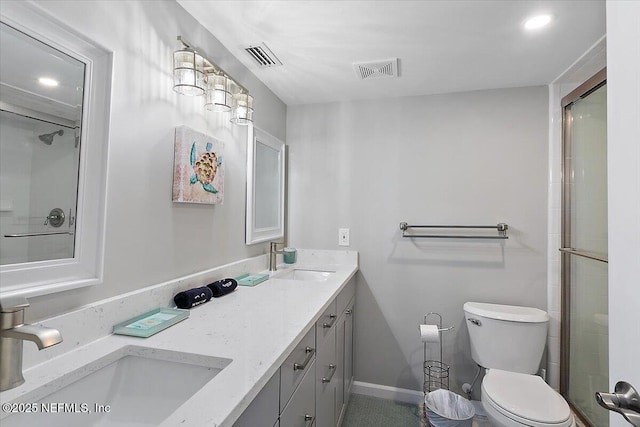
[436, 372]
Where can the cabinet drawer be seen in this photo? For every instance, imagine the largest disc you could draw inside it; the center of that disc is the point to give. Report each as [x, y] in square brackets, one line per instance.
[263, 410]
[327, 322]
[297, 364]
[301, 410]
[345, 295]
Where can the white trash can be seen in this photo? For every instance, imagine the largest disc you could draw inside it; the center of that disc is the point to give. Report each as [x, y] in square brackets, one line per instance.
[444, 408]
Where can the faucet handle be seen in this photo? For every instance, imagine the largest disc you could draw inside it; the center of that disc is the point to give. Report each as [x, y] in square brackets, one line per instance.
[11, 304]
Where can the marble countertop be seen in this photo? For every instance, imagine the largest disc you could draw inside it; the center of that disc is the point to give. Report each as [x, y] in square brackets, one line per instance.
[255, 327]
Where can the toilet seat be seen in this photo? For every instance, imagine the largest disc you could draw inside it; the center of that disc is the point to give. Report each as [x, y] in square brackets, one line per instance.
[525, 399]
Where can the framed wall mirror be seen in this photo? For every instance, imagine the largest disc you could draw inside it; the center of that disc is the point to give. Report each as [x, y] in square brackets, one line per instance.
[265, 187]
[41, 91]
[54, 106]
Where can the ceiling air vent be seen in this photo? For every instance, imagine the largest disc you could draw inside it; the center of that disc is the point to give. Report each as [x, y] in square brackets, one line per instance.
[376, 69]
[263, 56]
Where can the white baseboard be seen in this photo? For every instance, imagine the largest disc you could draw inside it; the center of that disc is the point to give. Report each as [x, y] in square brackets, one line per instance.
[387, 392]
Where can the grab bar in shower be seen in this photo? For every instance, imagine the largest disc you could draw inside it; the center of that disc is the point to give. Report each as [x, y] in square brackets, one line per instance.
[52, 233]
[501, 228]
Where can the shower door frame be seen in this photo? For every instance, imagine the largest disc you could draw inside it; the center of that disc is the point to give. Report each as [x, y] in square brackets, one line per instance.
[591, 85]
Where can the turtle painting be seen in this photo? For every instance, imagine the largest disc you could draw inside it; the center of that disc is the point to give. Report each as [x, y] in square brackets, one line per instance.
[198, 168]
[205, 167]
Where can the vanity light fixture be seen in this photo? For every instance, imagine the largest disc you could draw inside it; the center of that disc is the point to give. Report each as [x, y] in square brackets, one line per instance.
[194, 74]
[188, 72]
[242, 113]
[538, 21]
[218, 95]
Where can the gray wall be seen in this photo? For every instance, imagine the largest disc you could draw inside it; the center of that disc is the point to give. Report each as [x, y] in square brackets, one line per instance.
[463, 158]
[149, 239]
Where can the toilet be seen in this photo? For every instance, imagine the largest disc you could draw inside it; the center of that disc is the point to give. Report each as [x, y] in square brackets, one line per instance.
[508, 341]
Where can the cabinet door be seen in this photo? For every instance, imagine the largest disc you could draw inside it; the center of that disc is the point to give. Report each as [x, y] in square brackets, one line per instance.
[348, 350]
[301, 409]
[263, 410]
[326, 381]
[344, 349]
[339, 377]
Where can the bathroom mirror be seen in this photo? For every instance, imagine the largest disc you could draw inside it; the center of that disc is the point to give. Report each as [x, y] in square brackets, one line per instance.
[265, 187]
[41, 92]
[54, 87]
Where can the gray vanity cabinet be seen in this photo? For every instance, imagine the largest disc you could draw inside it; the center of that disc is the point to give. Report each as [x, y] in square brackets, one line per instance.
[311, 388]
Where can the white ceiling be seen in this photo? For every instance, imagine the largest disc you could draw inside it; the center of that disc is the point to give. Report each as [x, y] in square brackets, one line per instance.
[443, 46]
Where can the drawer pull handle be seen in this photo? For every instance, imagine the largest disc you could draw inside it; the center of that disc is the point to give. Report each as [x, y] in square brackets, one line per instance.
[308, 418]
[349, 311]
[300, 367]
[333, 318]
[332, 368]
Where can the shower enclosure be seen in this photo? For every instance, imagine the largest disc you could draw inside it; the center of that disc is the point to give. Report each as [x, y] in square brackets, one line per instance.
[585, 347]
[39, 174]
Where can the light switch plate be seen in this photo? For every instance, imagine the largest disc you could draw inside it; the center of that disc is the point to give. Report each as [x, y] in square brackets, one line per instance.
[343, 236]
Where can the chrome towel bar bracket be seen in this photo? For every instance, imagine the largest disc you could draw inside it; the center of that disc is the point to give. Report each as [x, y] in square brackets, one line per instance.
[501, 228]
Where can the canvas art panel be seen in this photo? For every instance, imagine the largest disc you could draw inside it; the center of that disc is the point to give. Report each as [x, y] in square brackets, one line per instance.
[198, 168]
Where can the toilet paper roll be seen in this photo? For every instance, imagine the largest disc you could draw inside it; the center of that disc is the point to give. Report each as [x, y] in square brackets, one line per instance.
[429, 333]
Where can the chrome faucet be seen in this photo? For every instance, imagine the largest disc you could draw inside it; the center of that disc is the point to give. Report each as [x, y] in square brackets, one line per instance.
[12, 332]
[273, 246]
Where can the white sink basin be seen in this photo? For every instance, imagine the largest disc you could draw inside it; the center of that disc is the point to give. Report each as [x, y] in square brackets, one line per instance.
[307, 275]
[134, 386]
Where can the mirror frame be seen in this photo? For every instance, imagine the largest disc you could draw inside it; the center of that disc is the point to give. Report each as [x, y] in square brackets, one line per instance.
[86, 267]
[253, 234]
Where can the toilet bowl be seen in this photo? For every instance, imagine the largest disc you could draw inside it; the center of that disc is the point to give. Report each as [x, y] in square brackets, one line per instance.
[508, 341]
[512, 399]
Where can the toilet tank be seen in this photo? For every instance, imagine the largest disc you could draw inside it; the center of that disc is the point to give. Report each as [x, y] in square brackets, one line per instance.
[506, 337]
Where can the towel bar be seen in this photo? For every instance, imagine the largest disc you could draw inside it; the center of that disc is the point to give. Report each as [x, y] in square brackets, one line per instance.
[501, 228]
[51, 233]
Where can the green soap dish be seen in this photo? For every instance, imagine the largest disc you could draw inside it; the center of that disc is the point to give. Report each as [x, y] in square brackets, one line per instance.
[251, 279]
[151, 322]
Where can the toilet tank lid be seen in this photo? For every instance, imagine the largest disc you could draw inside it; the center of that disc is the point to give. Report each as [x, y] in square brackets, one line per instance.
[510, 313]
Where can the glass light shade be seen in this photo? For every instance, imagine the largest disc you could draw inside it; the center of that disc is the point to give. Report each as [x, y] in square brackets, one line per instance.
[242, 111]
[188, 73]
[218, 93]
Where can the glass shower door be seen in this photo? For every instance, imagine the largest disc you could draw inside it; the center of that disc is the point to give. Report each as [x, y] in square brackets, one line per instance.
[585, 357]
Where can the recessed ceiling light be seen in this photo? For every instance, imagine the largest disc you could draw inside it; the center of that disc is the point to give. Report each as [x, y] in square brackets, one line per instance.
[46, 81]
[537, 21]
